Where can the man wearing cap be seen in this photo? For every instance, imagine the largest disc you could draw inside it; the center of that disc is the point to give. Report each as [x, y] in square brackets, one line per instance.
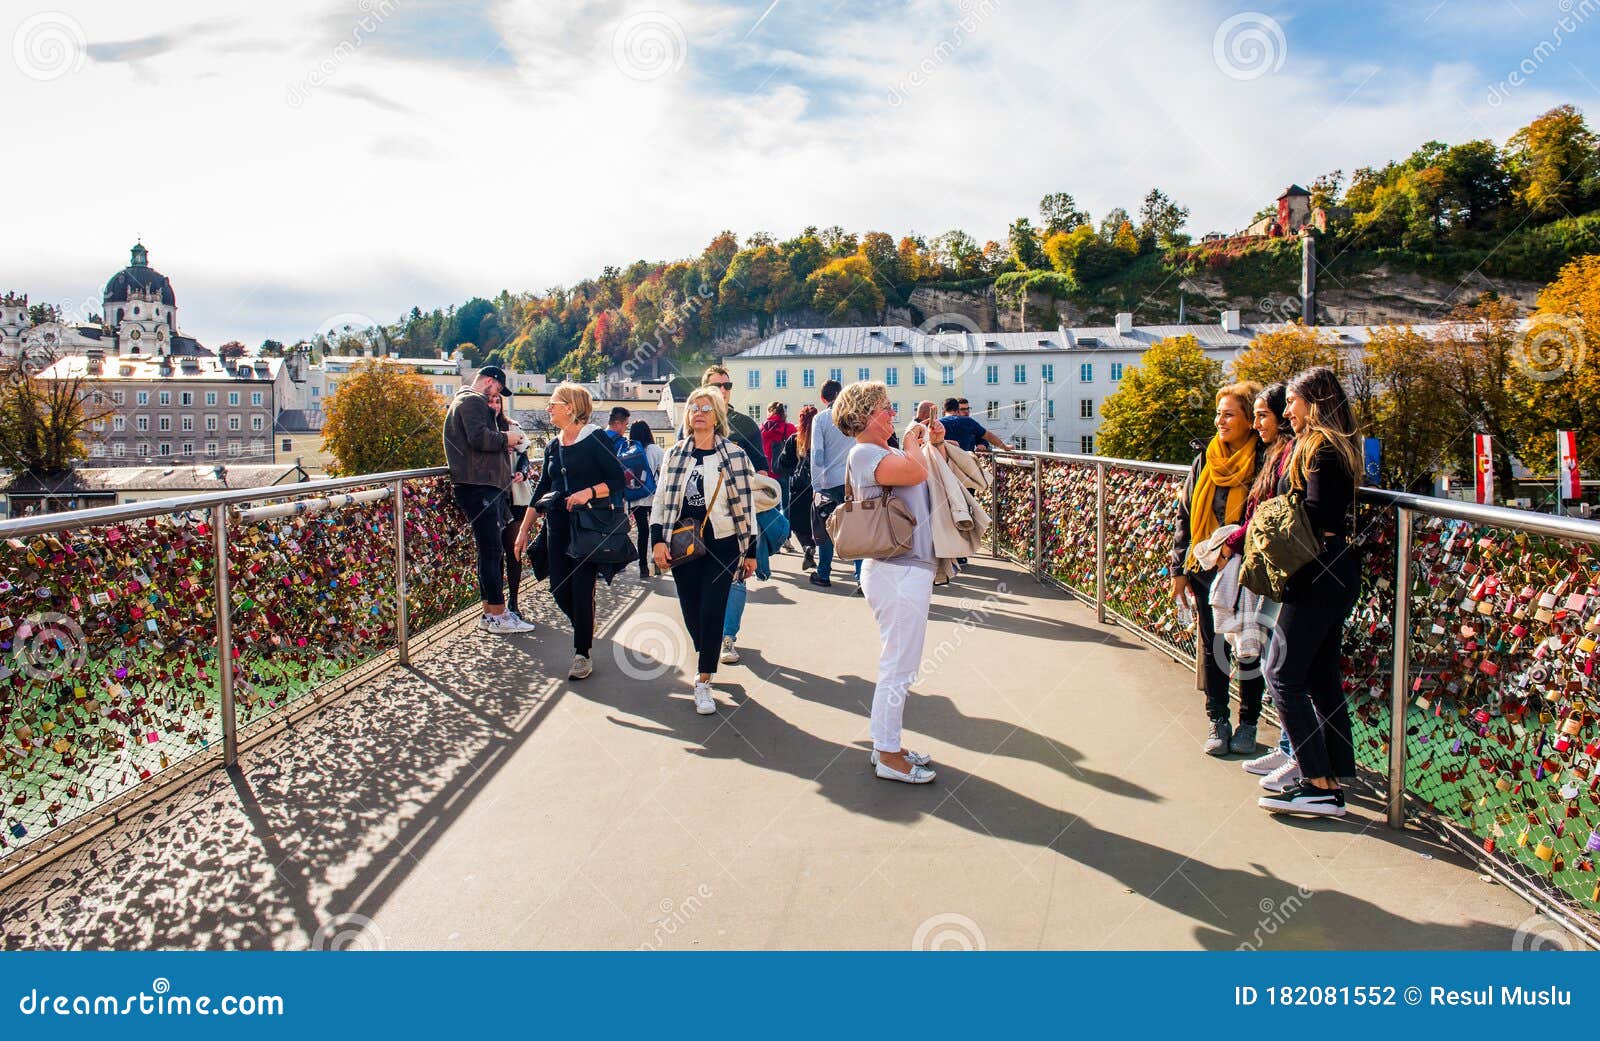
[479, 454]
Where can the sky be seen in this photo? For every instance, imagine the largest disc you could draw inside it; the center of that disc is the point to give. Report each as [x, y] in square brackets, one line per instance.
[312, 162]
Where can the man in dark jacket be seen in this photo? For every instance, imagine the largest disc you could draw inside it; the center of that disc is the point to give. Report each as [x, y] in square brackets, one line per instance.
[478, 452]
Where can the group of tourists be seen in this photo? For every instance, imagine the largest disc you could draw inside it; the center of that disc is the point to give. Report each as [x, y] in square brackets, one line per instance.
[905, 508]
[1298, 440]
[715, 507]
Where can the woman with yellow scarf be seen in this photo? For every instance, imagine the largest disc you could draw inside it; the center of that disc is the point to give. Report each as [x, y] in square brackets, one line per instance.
[1214, 495]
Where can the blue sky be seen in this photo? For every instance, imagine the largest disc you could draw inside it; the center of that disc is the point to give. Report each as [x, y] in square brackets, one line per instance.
[333, 157]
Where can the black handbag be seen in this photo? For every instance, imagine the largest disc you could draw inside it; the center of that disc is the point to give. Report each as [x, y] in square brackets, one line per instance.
[596, 535]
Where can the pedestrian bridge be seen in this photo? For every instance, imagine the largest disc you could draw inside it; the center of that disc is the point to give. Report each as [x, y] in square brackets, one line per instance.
[455, 790]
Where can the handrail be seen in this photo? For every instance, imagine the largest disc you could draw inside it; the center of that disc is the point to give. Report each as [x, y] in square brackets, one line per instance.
[45, 523]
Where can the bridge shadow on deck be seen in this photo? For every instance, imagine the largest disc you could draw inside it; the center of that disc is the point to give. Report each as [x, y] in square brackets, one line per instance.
[314, 833]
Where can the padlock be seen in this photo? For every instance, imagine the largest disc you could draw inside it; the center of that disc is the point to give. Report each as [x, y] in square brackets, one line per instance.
[1546, 849]
[1572, 723]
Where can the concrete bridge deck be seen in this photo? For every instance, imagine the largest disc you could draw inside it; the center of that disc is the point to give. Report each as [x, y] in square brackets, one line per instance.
[478, 799]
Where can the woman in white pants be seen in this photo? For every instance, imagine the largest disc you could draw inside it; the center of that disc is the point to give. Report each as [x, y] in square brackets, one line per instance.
[897, 589]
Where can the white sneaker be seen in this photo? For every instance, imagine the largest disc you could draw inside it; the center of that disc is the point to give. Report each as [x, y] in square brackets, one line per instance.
[1283, 778]
[729, 656]
[1263, 765]
[581, 668]
[504, 624]
[703, 702]
[525, 625]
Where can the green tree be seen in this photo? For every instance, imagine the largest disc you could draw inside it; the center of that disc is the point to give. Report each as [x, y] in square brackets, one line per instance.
[1160, 220]
[843, 288]
[1163, 404]
[1553, 162]
[1059, 212]
[272, 349]
[383, 418]
[1026, 252]
[1420, 426]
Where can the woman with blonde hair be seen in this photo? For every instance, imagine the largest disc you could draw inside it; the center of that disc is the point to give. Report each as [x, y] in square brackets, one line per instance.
[579, 468]
[1303, 670]
[1214, 497]
[706, 484]
[900, 588]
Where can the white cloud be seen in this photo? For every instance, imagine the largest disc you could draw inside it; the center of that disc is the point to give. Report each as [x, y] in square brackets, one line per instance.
[402, 180]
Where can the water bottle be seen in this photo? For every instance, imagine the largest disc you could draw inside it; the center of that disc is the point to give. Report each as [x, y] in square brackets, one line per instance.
[1185, 615]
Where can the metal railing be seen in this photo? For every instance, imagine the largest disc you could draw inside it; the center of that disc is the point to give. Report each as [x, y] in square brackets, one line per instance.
[1474, 699]
[147, 641]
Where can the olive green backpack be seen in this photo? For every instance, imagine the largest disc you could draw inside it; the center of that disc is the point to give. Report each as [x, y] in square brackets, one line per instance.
[1278, 542]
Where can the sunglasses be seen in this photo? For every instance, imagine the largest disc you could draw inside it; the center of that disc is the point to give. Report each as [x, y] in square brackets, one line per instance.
[702, 408]
[724, 386]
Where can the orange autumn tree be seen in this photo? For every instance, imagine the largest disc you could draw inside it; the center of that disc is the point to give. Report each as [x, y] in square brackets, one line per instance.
[1555, 373]
[383, 417]
[1282, 354]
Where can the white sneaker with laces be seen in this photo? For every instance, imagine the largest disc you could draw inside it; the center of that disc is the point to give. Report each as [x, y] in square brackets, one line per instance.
[581, 667]
[522, 623]
[729, 656]
[703, 701]
[1283, 778]
[1265, 764]
[504, 624]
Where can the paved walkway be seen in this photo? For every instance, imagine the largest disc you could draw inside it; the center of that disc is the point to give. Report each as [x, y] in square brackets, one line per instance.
[474, 802]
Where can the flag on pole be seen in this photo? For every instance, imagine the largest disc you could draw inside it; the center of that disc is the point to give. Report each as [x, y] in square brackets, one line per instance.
[1372, 449]
[1483, 456]
[1567, 474]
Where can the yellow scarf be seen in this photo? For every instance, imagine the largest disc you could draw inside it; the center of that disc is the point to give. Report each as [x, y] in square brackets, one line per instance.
[1234, 472]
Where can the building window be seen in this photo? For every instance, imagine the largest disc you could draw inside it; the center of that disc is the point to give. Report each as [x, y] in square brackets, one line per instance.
[991, 374]
[1116, 371]
[1086, 372]
[141, 423]
[1047, 372]
[257, 448]
[288, 446]
[186, 397]
[919, 376]
[752, 379]
[143, 397]
[233, 397]
[188, 448]
[1086, 408]
[185, 422]
[1019, 409]
[98, 451]
[755, 411]
[991, 410]
[211, 422]
[891, 377]
[97, 425]
[164, 448]
[808, 378]
[896, 406]
[1086, 442]
[166, 397]
[211, 448]
[118, 397]
[836, 375]
[211, 398]
[233, 448]
[316, 392]
[780, 379]
[233, 423]
[257, 422]
[1022, 442]
[1019, 373]
[116, 450]
[144, 449]
[163, 423]
[255, 398]
[947, 375]
[1050, 409]
[119, 424]
[1051, 442]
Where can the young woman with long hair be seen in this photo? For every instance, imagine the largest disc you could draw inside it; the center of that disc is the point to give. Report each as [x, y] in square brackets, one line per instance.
[1324, 466]
[794, 463]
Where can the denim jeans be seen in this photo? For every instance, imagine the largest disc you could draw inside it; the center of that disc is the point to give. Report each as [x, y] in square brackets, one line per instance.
[734, 615]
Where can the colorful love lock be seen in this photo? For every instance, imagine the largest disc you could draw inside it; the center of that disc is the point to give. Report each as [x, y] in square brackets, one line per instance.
[1504, 782]
[1546, 849]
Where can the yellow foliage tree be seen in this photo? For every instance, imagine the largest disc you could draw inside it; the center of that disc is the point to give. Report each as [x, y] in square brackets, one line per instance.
[1163, 404]
[381, 418]
[1282, 354]
[1555, 373]
[1421, 427]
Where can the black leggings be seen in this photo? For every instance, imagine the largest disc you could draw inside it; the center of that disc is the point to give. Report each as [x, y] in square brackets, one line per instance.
[1303, 664]
[641, 525]
[703, 596]
[572, 582]
[1251, 681]
[508, 542]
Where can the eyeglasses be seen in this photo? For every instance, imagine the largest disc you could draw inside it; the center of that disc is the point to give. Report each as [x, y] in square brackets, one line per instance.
[724, 386]
[964, 410]
[703, 407]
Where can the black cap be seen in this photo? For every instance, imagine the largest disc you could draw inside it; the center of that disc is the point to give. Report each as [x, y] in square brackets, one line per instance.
[497, 374]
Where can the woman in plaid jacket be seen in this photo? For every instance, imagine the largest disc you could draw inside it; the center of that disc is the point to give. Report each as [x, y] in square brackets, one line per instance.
[706, 481]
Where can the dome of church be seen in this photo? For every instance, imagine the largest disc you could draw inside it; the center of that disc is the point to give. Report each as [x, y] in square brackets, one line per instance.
[140, 277]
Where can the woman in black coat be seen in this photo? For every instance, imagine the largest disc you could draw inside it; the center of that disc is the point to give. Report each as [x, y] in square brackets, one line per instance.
[579, 467]
[794, 463]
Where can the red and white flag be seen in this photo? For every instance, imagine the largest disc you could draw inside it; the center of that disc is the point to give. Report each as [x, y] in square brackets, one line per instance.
[1483, 457]
[1567, 472]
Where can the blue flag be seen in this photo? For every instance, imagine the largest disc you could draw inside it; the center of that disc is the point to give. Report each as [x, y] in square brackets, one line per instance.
[1373, 447]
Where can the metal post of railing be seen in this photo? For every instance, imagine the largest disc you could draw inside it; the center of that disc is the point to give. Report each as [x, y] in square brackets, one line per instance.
[1038, 515]
[994, 506]
[1100, 542]
[402, 616]
[224, 603]
[1400, 679]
